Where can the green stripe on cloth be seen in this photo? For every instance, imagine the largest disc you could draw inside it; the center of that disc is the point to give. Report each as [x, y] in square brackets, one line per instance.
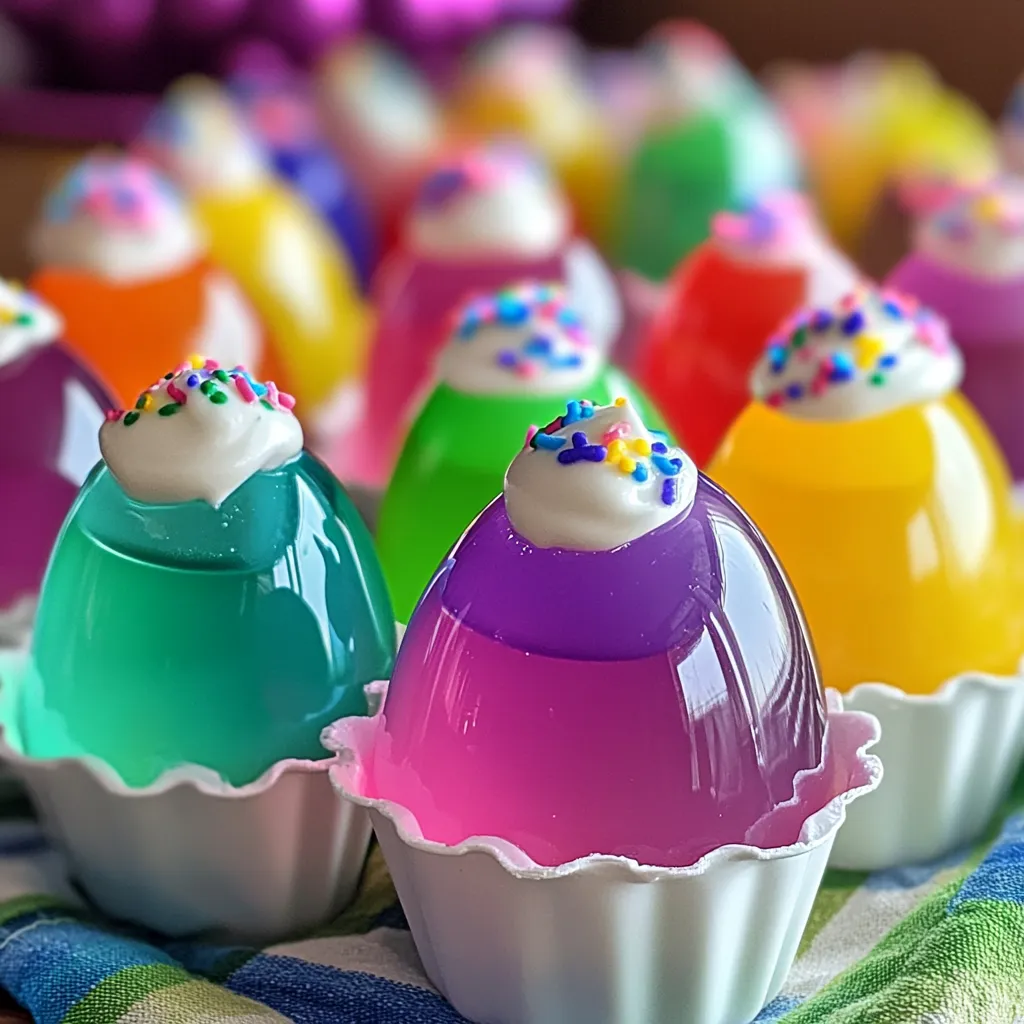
[32, 903]
[115, 996]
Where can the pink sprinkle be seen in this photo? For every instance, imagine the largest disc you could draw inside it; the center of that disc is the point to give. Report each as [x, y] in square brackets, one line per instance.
[272, 393]
[181, 368]
[615, 431]
[774, 400]
[211, 364]
[531, 432]
[240, 369]
[804, 354]
[245, 389]
[527, 369]
[113, 415]
[287, 401]
[819, 385]
[176, 393]
[850, 301]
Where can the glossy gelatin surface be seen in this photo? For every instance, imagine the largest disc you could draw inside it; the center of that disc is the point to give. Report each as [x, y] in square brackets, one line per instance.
[653, 701]
[44, 459]
[226, 637]
[897, 533]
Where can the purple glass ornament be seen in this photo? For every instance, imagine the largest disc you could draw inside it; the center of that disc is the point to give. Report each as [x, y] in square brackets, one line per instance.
[655, 701]
[986, 319]
[205, 17]
[307, 25]
[51, 408]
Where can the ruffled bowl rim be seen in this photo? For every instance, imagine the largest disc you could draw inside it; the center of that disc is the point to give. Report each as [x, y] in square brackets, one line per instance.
[819, 826]
[204, 780]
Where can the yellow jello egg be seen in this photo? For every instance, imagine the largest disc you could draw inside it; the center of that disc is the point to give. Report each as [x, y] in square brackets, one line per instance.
[883, 494]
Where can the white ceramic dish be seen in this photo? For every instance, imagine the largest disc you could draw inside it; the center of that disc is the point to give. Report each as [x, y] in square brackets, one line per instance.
[950, 758]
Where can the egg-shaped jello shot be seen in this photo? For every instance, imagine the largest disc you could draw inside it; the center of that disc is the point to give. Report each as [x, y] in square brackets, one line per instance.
[44, 457]
[889, 504]
[516, 360]
[212, 599]
[212, 602]
[607, 683]
[968, 265]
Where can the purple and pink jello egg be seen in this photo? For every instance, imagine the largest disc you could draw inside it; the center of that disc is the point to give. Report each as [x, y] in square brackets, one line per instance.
[610, 661]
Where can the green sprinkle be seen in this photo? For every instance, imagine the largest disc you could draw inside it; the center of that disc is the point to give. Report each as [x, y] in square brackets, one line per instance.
[24, 319]
[130, 418]
[207, 386]
[218, 398]
[266, 404]
[222, 376]
[170, 409]
[141, 403]
[799, 337]
[877, 379]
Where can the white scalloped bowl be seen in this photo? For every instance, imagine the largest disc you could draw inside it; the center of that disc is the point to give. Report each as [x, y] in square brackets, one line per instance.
[604, 939]
[950, 759]
[191, 854]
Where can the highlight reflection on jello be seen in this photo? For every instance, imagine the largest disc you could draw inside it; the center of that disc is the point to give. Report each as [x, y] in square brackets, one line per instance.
[883, 494]
[612, 632]
[234, 604]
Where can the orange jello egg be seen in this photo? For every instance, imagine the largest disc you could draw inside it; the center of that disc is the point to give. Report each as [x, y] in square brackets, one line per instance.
[884, 495]
[119, 256]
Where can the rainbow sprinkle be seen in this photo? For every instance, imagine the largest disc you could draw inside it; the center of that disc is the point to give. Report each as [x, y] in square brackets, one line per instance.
[864, 353]
[118, 191]
[554, 338]
[767, 222]
[206, 378]
[997, 205]
[475, 170]
[632, 456]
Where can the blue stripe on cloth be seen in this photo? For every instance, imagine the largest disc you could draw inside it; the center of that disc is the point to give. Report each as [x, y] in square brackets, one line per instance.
[49, 962]
[1000, 876]
[207, 961]
[777, 1009]
[913, 875]
[314, 994]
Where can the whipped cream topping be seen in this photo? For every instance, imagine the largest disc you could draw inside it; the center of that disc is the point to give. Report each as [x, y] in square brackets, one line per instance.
[979, 230]
[872, 352]
[201, 140]
[595, 479]
[492, 200]
[199, 434]
[377, 95]
[781, 231]
[117, 218]
[521, 340]
[26, 322]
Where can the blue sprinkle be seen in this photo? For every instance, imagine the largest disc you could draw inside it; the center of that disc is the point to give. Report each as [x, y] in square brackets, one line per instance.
[854, 323]
[587, 411]
[587, 453]
[668, 492]
[579, 439]
[821, 320]
[887, 362]
[572, 413]
[659, 448]
[547, 441]
[568, 318]
[640, 473]
[893, 309]
[842, 360]
[566, 363]
[777, 358]
[666, 466]
[538, 346]
[512, 311]
[470, 322]
[193, 380]
[794, 391]
[507, 358]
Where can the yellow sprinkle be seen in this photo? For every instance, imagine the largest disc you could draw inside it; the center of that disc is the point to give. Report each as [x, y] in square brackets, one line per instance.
[868, 349]
[7, 315]
[626, 464]
[148, 400]
[198, 362]
[617, 447]
[642, 446]
[620, 401]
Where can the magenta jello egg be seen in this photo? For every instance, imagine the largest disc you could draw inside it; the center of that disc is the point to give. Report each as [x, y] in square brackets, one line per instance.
[51, 408]
[610, 661]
